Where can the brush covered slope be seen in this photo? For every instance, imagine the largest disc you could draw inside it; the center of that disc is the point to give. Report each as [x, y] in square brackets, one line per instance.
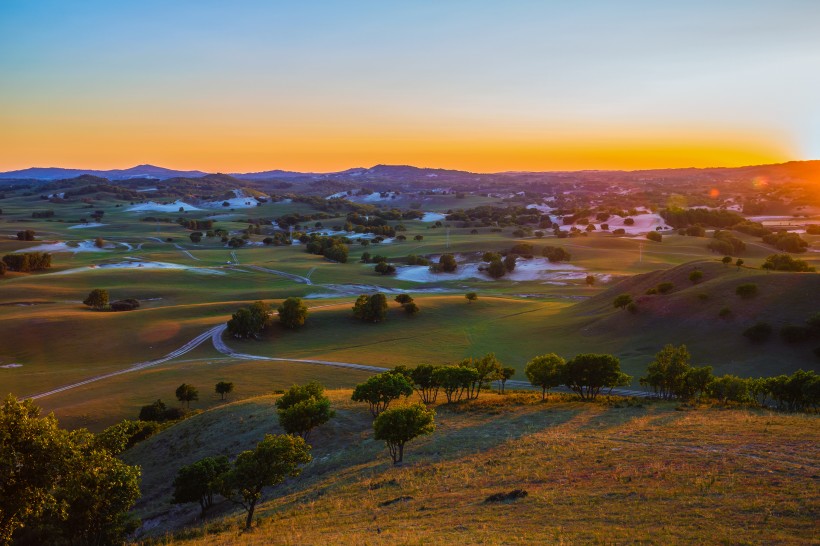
[708, 316]
[614, 471]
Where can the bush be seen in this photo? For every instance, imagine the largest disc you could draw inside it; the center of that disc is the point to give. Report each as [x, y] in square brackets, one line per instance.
[696, 276]
[784, 262]
[128, 304]
[654, 236]
[665, 287]
[724, 312]
[556, 254]
[758, 333]
[746, 291]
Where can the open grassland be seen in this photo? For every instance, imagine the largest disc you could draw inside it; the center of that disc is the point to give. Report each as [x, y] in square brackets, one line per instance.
[607, 472]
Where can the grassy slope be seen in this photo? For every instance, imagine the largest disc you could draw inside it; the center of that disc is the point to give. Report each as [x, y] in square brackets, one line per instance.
[595, 473]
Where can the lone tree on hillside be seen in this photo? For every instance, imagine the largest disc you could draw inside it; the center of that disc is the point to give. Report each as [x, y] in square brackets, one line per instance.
[471, 297]
[726, 260]
[381, 389]
[587, 374]
[97, 299]
[272, 461]
[590, 280]
[292, 313]
[746, 291]
[187, 393]
[198, 482]
[400, 425]
[223, 389]
[545, 371]
[696, 276]
[622, 301]
[303, 408]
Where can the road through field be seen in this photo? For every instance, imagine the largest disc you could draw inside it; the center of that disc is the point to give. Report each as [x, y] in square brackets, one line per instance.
[215, 335]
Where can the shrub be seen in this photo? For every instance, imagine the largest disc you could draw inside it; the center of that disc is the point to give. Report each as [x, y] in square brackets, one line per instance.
[746, 291]
[784, 262]
[665, 287]
[724, 312]
[654, 236]
[759, 332]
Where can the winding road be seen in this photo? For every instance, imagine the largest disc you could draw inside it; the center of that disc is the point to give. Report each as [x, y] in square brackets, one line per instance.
[215, 335]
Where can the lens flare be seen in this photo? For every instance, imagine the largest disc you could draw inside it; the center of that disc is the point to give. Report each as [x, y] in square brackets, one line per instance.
[714, 193]
[760, 182]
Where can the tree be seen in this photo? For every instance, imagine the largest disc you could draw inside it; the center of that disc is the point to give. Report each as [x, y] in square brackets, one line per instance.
[729, 388]
[198, 482]
[33, 452]
[588, 373]
[488, 368]
[509, 262]
[275, 458]
[726, 260]
[739, 262]
[292, 313]
[411, 308]
[187, 393]
[371, 308]
[447, 263]
[425, 383]
[471, 297]
[97, 299]
[654, 236]
[403, 298]
[454, 380]
[667, 373]
[303, 408]
[506, 373]
[63, 487]
[622, 301]
[153, 412]
[496, 269]
[381, 389]
[696, 276]
[784, 262]
[545, 371]
[590, 280]
[384, 268]
[223, 389]
[26, 235]
[400, 425]
[248, 322]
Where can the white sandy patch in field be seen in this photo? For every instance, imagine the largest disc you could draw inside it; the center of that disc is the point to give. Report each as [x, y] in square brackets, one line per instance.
[142, 190]
[352, 235]
[433, 217]
[537, 269]
[12, 365]
[88, 225]
[337, 195]
[644, 223]
[82, 246]
[540, 208]
[134, 263]
[233, 203]
[161, 207]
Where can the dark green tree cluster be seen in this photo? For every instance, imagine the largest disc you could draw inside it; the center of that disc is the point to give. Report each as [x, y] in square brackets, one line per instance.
[27, 261]
[671, 376]
[372, 308]
[381, 389]
[302, 408]
[784, 262]
[292, 313]
[585, 374]
[60, 487]
[249, 322]
[446, 264]
[332, 248]
[556, 254]
[787, 242]
[725, 242]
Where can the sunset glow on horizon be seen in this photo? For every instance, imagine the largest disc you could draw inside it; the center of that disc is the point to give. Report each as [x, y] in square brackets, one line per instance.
[476, 86]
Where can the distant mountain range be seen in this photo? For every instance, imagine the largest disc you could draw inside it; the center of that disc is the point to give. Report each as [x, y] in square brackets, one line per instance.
[399, 173]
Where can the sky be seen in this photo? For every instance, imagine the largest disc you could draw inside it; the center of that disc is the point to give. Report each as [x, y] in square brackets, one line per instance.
[245, 86]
